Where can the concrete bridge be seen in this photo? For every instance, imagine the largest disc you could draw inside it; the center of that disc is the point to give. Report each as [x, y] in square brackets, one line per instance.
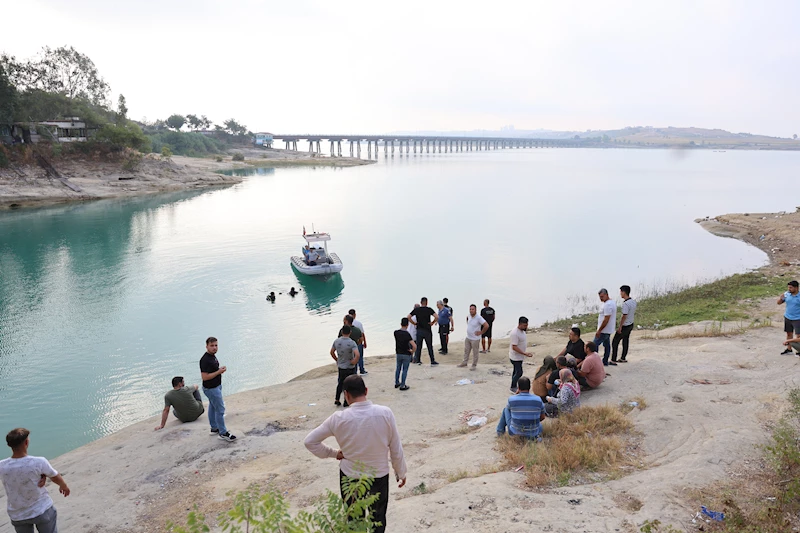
[425, 143]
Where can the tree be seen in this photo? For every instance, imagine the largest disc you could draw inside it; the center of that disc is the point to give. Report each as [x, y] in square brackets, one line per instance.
[122, 110]
[194, 122]
[234, 128]
[63, 70]
[204, 122]
[176, 122]
[8, 98]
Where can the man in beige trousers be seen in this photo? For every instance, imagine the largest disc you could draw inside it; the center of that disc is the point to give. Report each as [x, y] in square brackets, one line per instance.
[476, 326]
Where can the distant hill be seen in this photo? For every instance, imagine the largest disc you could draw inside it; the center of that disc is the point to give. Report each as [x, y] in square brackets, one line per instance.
[640, 136]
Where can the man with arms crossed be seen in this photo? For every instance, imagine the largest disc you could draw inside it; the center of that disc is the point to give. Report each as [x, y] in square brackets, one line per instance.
[606, 322]
[211, 373]
[487, 313]
[24, 478]
[791, 318]
[423, 318]
[516, 351]
[625, 324]
[367, 436]
[362, 344]
[476, 326]
[186, 402]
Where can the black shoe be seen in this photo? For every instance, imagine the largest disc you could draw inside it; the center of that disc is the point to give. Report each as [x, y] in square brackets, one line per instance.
[622, 361]
[405, 387]
[787, 351]
[227, 436]
[337, 403]
[613, 363]
[346, 404]
[434, 363]
[441, 351]
[418, 362]
[396, 385]
[364, 372]
[214, 430]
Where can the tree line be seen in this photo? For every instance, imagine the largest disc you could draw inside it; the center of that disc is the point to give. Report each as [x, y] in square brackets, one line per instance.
[62, 82]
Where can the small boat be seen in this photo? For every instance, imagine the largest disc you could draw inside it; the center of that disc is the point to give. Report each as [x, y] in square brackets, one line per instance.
[325, 264]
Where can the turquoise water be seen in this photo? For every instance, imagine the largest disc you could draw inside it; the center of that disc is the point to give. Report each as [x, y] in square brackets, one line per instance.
[102, 303]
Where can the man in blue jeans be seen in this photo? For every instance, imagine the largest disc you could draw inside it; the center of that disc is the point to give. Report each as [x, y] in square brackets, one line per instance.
[606, 324]
[404, 349]
[211, 373]
[524, 413]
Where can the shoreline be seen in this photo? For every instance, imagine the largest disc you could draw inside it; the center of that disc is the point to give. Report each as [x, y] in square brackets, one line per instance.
[144, 477]
[29, 186]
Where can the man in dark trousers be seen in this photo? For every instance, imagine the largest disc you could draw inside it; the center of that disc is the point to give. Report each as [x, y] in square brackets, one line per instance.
[625, 325]
[487, 313]
[423, 317]
[367, 436]
[211, 373]
[345, 352]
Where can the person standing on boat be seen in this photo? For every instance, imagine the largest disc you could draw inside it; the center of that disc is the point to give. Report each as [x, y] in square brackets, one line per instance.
[312, 257]
[362, 345]
[423, 317]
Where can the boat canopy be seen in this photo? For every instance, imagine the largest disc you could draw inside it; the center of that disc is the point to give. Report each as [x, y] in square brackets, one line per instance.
[316, 237]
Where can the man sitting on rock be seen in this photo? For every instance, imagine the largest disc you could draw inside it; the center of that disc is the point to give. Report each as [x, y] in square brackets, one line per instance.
[185, 401]
[523, 413]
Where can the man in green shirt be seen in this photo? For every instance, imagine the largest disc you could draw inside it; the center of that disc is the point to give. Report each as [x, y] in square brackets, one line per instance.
[185, 401]
[355, 333]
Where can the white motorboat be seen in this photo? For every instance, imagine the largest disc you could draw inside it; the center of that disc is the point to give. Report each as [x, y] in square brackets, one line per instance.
[316, 260]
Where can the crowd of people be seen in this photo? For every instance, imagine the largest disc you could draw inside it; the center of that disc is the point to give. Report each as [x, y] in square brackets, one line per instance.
[367, 433]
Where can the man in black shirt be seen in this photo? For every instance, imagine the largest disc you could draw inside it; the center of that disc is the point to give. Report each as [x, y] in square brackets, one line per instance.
[404, 347]
[423, 317]
[211, 373]
[575, 345]
[487, 313]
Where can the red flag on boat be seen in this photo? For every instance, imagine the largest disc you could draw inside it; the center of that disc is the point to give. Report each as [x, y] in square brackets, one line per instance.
[304, 231]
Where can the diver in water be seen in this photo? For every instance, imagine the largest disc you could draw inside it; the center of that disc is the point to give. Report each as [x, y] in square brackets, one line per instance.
[292, 292]
[271, 297]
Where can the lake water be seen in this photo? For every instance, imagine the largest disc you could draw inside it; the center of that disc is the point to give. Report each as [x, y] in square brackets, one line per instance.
[102, 303]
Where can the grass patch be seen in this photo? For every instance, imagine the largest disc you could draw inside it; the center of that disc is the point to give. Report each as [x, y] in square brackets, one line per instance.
[590, 440]
[628, 405]
[721, 300]
[420, 489]
[767, 498]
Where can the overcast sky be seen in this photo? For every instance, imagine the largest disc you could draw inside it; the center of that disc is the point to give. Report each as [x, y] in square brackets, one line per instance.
[300, 66]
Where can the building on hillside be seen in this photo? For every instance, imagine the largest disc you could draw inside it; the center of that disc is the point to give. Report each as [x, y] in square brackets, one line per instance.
[70, 129]
[263, 139]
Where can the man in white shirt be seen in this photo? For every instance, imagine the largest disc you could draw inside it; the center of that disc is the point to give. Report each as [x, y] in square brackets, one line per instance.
[24, 478]
[476, 326]
[412, 328]
[516, 351]
[606, 324]
[362, 344]
[367, 435]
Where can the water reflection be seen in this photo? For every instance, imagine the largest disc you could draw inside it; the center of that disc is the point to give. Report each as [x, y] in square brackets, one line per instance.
[250, 171]
[321, 292]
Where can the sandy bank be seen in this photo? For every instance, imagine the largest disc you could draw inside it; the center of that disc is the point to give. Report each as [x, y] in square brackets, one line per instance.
[30, 186]
[137, 479]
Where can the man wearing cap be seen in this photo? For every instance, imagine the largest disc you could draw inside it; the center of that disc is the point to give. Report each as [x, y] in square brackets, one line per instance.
[606, 322]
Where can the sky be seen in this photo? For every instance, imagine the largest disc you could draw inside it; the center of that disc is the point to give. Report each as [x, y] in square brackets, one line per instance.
[307, 66]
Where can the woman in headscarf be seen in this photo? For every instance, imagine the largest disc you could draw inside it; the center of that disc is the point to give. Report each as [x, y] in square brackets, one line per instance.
[569, 395]
[539, 385]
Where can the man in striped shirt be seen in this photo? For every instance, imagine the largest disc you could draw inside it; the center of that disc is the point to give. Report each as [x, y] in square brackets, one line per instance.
[523, 414]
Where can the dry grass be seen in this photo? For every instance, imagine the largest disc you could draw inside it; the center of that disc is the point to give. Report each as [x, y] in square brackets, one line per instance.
[486, 468]
[627, 405]
[590, 440]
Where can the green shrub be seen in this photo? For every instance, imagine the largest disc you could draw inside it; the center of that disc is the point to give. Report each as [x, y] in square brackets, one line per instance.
[218, 159]
[132, 161]
[3, 158]
[184, 143]
[166, 153]
[268, 512]
[56, 149]
[238, 156]
[124, 136]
